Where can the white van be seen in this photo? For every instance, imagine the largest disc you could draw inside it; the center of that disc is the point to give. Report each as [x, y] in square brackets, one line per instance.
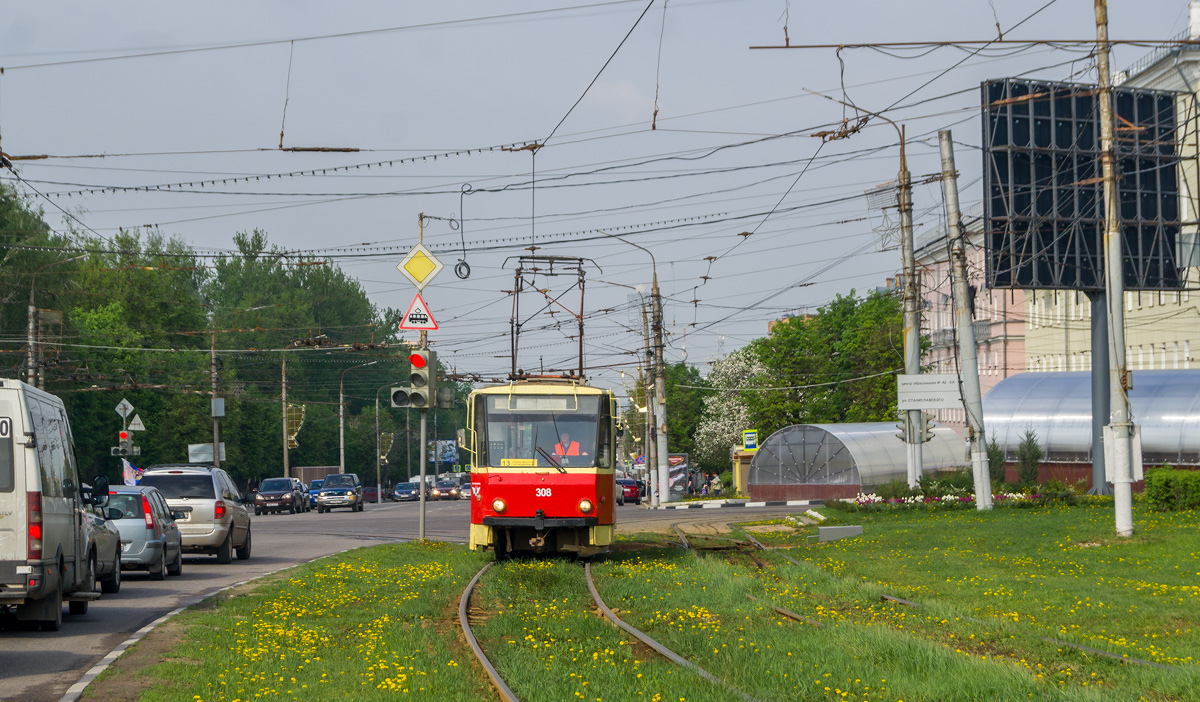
[45, 556]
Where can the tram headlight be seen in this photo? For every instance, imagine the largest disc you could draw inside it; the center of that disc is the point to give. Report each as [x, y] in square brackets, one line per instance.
[498, 505]
[585, 506]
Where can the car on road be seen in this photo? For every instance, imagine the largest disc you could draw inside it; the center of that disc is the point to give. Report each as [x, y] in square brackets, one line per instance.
[629, 490]
[278, 495]
[445, 490]
[340, 490]
[405, 492]
[106, 548]
[313, 488]
[371, 494]
[46, 555]
[214, 517]
[150, 538]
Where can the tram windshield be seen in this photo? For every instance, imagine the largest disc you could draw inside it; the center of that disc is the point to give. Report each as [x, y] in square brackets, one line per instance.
[551, 431]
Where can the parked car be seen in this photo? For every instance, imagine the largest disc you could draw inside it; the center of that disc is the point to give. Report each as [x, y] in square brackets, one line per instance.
[45, 550]
[340, 490]
[278, 495]
[629, 491]
[445, 490]
[302, 492]
[406, 492]
[214, 517]
[106, 549]
[313, 488]
[371, 494]
[150, 538]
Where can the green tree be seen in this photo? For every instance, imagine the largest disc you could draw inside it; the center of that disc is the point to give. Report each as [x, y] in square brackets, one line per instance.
[1029, 458]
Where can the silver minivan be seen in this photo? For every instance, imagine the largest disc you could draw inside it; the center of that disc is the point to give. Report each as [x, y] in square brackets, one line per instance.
[214, 517]
[46, 556]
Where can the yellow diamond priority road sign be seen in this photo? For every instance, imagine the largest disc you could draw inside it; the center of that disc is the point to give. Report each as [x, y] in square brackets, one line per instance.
[420, 266]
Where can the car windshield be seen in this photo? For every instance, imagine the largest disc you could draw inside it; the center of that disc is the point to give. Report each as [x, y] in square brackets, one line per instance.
[130, 505]
[406, 486]
[338, 481]
[542, 430]
[182, 485]
[275, 485]
[625, 481]
[316, 484]
[446, 485]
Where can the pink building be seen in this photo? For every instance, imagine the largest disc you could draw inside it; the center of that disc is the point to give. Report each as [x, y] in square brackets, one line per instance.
[999, 318]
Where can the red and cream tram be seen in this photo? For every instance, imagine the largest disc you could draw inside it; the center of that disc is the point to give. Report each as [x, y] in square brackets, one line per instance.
[542, 467]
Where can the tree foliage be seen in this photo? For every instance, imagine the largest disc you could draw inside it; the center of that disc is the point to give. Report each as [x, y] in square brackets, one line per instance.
[725, 413]
[837, 364]
[141, 316]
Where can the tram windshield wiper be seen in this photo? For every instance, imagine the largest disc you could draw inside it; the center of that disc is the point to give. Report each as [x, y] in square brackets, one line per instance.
[551, 459]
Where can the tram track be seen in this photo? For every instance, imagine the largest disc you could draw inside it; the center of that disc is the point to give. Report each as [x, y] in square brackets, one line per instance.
[506, 693]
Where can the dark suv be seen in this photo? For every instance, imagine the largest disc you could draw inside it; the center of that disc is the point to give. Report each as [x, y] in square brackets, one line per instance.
[340, 490]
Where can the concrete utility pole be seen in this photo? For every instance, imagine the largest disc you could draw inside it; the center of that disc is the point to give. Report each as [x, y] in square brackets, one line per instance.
[912, 315]
[287, 471]
[216, 442]
[651, 464]
[964, 317]
[660, 390]
[1120, 429]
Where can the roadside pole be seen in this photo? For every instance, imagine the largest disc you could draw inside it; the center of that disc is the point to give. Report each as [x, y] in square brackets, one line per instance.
[1120, 429]
[287, 471]
[651, 465]
[964, 318]
[424, 458]
[660, 391]
[912, 319]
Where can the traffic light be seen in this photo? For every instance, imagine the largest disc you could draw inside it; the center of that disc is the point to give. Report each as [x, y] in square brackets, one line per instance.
[926, 427]
[400, 397]
[123, 444]
[423, 380]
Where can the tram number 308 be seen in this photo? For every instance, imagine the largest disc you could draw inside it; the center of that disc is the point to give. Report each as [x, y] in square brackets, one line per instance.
[542, 492]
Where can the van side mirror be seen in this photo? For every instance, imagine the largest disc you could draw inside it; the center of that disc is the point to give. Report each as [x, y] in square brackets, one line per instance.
[100, 490]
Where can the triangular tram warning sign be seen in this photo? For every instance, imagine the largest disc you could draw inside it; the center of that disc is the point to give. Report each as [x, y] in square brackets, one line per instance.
[418, 318]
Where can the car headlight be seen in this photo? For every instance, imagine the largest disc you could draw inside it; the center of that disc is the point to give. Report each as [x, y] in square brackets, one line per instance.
[259, 498]
[287, 496]
[322, 494]
[498, 505]
[585, 506]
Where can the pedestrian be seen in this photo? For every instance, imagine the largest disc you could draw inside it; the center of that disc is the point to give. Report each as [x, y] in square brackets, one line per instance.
[716, 485]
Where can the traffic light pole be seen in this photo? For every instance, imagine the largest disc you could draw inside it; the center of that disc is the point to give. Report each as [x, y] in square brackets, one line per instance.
[424, 413]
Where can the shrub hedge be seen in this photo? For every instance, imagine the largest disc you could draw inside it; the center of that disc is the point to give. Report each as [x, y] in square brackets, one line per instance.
[1172, 489]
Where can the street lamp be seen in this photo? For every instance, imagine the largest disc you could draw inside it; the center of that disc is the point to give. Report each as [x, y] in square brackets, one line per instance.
[659, 407]
[342, 414]
[378, 447]
[216, 441]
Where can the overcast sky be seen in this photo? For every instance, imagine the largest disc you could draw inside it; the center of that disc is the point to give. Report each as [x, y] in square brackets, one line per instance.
[198, 93]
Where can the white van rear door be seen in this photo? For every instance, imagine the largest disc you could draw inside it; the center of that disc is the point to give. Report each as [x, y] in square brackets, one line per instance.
[12, 495]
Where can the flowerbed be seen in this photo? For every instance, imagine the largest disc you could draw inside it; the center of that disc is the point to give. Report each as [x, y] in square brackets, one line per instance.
[871, 502]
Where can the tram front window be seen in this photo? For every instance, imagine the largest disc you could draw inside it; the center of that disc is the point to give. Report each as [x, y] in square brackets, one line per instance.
[551, 431]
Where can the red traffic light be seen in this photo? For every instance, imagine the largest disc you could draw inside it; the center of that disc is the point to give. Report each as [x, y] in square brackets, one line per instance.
[124, 436]
[417, 360]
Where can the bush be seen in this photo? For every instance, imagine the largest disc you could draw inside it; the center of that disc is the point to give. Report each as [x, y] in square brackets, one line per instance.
[1029, 459]
[1172, 489]
[996, 459]
[895, 490]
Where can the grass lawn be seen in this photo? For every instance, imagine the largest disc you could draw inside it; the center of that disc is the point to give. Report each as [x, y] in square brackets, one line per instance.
[373, 622]
[382, 622]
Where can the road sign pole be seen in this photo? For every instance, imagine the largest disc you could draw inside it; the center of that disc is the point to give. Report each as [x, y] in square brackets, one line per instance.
[421, 523]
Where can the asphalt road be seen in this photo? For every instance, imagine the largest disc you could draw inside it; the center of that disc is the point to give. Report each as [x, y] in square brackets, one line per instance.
[39, 666]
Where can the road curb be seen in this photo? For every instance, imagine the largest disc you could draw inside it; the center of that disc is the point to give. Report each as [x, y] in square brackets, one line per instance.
[76, 691]
[714, 504]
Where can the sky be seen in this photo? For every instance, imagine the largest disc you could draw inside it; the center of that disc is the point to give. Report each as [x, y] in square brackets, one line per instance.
[726, 193]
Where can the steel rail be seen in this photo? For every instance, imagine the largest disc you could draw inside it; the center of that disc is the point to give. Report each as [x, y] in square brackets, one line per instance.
[662, 650]
[497, 682]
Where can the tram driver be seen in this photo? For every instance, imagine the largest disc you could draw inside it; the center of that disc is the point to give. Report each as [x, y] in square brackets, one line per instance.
[568, 447]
